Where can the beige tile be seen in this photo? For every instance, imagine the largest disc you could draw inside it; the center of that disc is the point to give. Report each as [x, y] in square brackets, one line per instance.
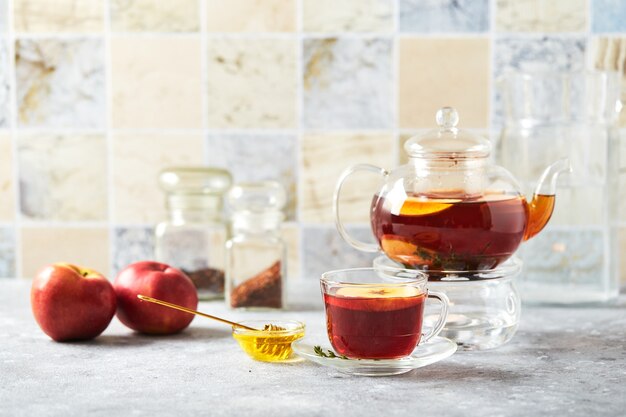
[63, 177]
[251, 15]
[324, 157]
[541, 15]
[155, 15]
[347, 15]
[88, 247]
[156, 82]
[58, 15]
[7, 200]
[291, 236]
[252, 83]
[443, 72]
[137, 160]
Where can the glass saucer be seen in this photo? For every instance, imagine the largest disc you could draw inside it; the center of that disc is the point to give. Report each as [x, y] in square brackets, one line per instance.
[426, 353]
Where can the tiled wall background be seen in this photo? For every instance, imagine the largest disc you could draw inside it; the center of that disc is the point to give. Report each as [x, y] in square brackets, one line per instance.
[96, 96]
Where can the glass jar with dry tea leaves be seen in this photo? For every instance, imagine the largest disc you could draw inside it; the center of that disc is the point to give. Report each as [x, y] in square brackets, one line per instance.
[255, 255]
[193, 237]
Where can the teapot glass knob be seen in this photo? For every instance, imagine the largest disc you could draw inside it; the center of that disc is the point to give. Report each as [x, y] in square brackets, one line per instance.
[447, 117]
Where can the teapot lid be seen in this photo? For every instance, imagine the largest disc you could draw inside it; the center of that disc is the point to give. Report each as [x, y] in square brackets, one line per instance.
[447, 142]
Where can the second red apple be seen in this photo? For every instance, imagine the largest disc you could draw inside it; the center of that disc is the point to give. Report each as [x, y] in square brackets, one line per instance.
[156, 280]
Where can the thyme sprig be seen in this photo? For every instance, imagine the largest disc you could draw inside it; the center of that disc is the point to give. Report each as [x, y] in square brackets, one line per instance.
[320, 352]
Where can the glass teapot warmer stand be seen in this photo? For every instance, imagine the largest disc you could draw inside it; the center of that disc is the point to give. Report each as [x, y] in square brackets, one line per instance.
[485, 306]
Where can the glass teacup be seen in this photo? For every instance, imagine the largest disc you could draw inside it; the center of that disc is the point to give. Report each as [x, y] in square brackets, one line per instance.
[377, 313]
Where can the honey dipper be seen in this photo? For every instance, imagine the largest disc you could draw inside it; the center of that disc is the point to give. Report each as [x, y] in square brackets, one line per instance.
[272, 347]
[190, 311]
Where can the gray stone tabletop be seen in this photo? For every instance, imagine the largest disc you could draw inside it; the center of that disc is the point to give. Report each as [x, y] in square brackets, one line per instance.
[563, 361]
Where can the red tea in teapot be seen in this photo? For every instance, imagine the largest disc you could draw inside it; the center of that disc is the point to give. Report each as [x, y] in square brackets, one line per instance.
[457, 234]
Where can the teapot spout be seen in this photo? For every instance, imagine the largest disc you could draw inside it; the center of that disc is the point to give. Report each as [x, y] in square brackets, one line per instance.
[549, 177]
[541, 206]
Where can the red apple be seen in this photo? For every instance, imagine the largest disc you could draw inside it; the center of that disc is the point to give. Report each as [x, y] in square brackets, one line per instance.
[72, 303]
[156, 280]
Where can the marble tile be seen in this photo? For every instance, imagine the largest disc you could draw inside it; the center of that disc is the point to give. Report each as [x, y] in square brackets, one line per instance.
[63, 177]
[149, 91]
[347, 15]
[347, 83]
[251, 15]
[58, 15]
[541, 53]
[155, 16]
[85, 246]
[4, 16]
[7, 192]
[252, 83]
[131, 244]
[608, 16]
[246, 156]
[568, 257]
[5, 83]
[324, 157]
[137, 160]
[546, 53]
[458, 78]
[60, 83]
[541, 16]
[419, 16]
[7, 252]
[324, 250]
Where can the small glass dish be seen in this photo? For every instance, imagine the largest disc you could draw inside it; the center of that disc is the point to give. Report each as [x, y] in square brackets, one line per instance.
[269, 345]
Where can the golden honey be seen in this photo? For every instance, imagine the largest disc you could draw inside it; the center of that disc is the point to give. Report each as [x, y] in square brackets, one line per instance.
[269, 345]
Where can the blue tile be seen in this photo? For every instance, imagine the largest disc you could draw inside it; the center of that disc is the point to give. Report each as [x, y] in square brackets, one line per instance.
[608, 16]
[325, 250]
[347, 83]
[548, 53]
[7, 252]
[419, 16]
[258, 157]
[131, 244]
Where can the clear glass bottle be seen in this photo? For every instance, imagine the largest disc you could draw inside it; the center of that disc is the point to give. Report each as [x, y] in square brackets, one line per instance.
[256, 253]
[193, 237]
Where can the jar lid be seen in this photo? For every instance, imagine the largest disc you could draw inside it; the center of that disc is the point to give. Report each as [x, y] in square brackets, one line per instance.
[447, 142]
[195, 180]
[257, 197]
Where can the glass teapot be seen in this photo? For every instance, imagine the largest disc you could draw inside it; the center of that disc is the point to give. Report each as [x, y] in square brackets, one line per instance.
[450, 208]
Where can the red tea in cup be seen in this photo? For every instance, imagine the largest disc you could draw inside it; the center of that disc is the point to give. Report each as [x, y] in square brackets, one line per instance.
[377, 313]
[371, 323]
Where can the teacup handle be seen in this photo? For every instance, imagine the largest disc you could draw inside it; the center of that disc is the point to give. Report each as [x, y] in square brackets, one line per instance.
[443, 315]
[355, 243]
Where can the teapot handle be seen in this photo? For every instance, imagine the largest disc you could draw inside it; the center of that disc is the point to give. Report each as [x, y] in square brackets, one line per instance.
[357, 244]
